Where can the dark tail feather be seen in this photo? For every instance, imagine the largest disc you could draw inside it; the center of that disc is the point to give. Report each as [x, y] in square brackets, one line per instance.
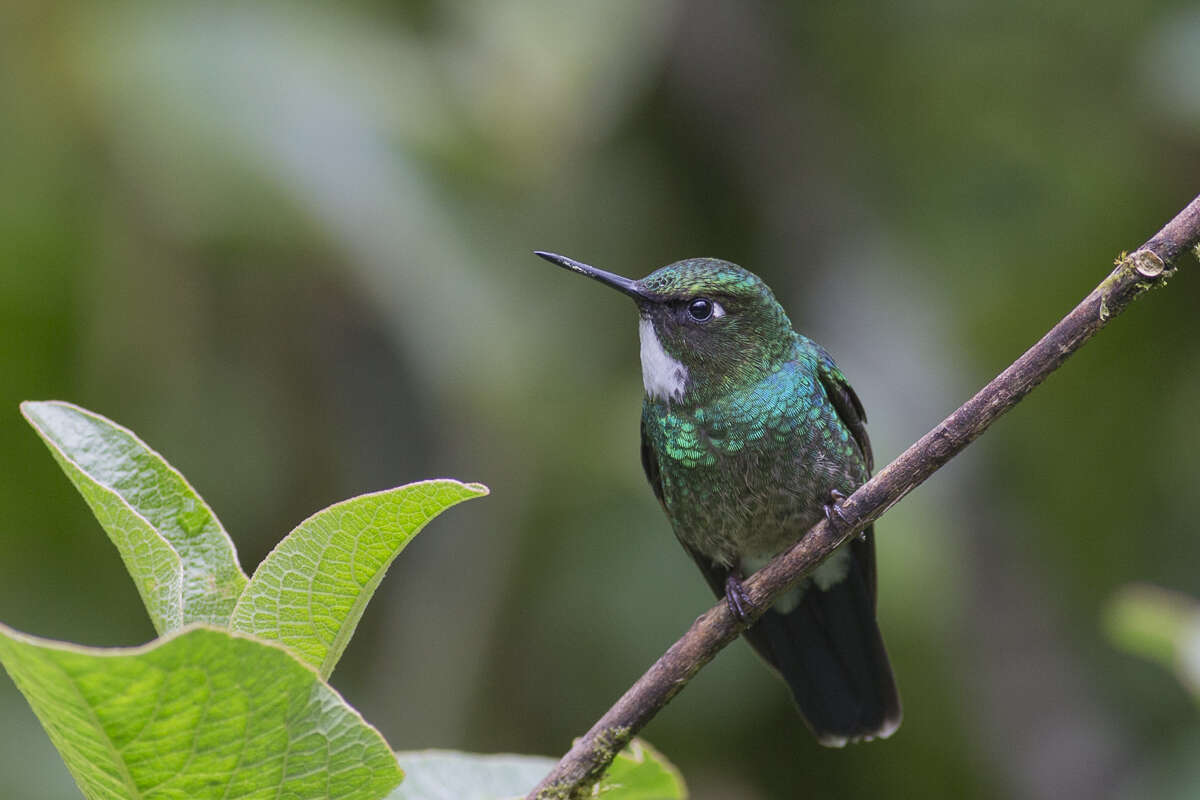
[831, 654]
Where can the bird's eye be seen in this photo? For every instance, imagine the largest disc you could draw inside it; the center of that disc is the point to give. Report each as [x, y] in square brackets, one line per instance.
[701, 309]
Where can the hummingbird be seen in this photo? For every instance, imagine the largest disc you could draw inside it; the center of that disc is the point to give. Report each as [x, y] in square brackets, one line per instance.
[750, 434]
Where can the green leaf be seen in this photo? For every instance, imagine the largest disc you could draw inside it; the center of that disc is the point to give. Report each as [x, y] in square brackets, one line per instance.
[310, 591]
[1158, 624]
[179, 556]
[199, 714]
[638, 773]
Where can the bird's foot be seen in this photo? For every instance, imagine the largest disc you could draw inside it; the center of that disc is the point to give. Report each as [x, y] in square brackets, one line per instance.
[833, 509]
[737, 598]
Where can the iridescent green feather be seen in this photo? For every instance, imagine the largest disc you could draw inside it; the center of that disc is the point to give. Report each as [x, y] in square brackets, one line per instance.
[754, 468]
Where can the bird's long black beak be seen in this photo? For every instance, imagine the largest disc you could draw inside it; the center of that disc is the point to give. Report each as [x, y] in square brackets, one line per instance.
[624, 285]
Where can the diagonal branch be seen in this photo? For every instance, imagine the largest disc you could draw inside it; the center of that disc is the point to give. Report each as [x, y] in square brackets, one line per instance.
[1150, 265]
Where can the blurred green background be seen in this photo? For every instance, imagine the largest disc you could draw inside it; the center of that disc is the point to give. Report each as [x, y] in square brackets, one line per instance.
[289, 245]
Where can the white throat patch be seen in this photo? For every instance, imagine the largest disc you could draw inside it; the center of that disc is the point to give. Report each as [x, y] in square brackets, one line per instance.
[663, 376]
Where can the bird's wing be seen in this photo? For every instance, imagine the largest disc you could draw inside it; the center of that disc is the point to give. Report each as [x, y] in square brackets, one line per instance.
[650, 461]
[850, 410]
[846, 403]
[714, 573]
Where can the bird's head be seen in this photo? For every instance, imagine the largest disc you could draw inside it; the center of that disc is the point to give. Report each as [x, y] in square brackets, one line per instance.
[706, 326]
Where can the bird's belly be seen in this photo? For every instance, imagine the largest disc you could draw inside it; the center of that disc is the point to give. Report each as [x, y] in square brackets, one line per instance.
[747, 507]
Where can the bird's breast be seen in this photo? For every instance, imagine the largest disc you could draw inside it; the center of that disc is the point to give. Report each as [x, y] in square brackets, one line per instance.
[748, 476]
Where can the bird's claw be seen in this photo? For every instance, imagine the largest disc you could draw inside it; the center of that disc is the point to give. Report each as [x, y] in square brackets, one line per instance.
[833, 509]
[736, 598]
